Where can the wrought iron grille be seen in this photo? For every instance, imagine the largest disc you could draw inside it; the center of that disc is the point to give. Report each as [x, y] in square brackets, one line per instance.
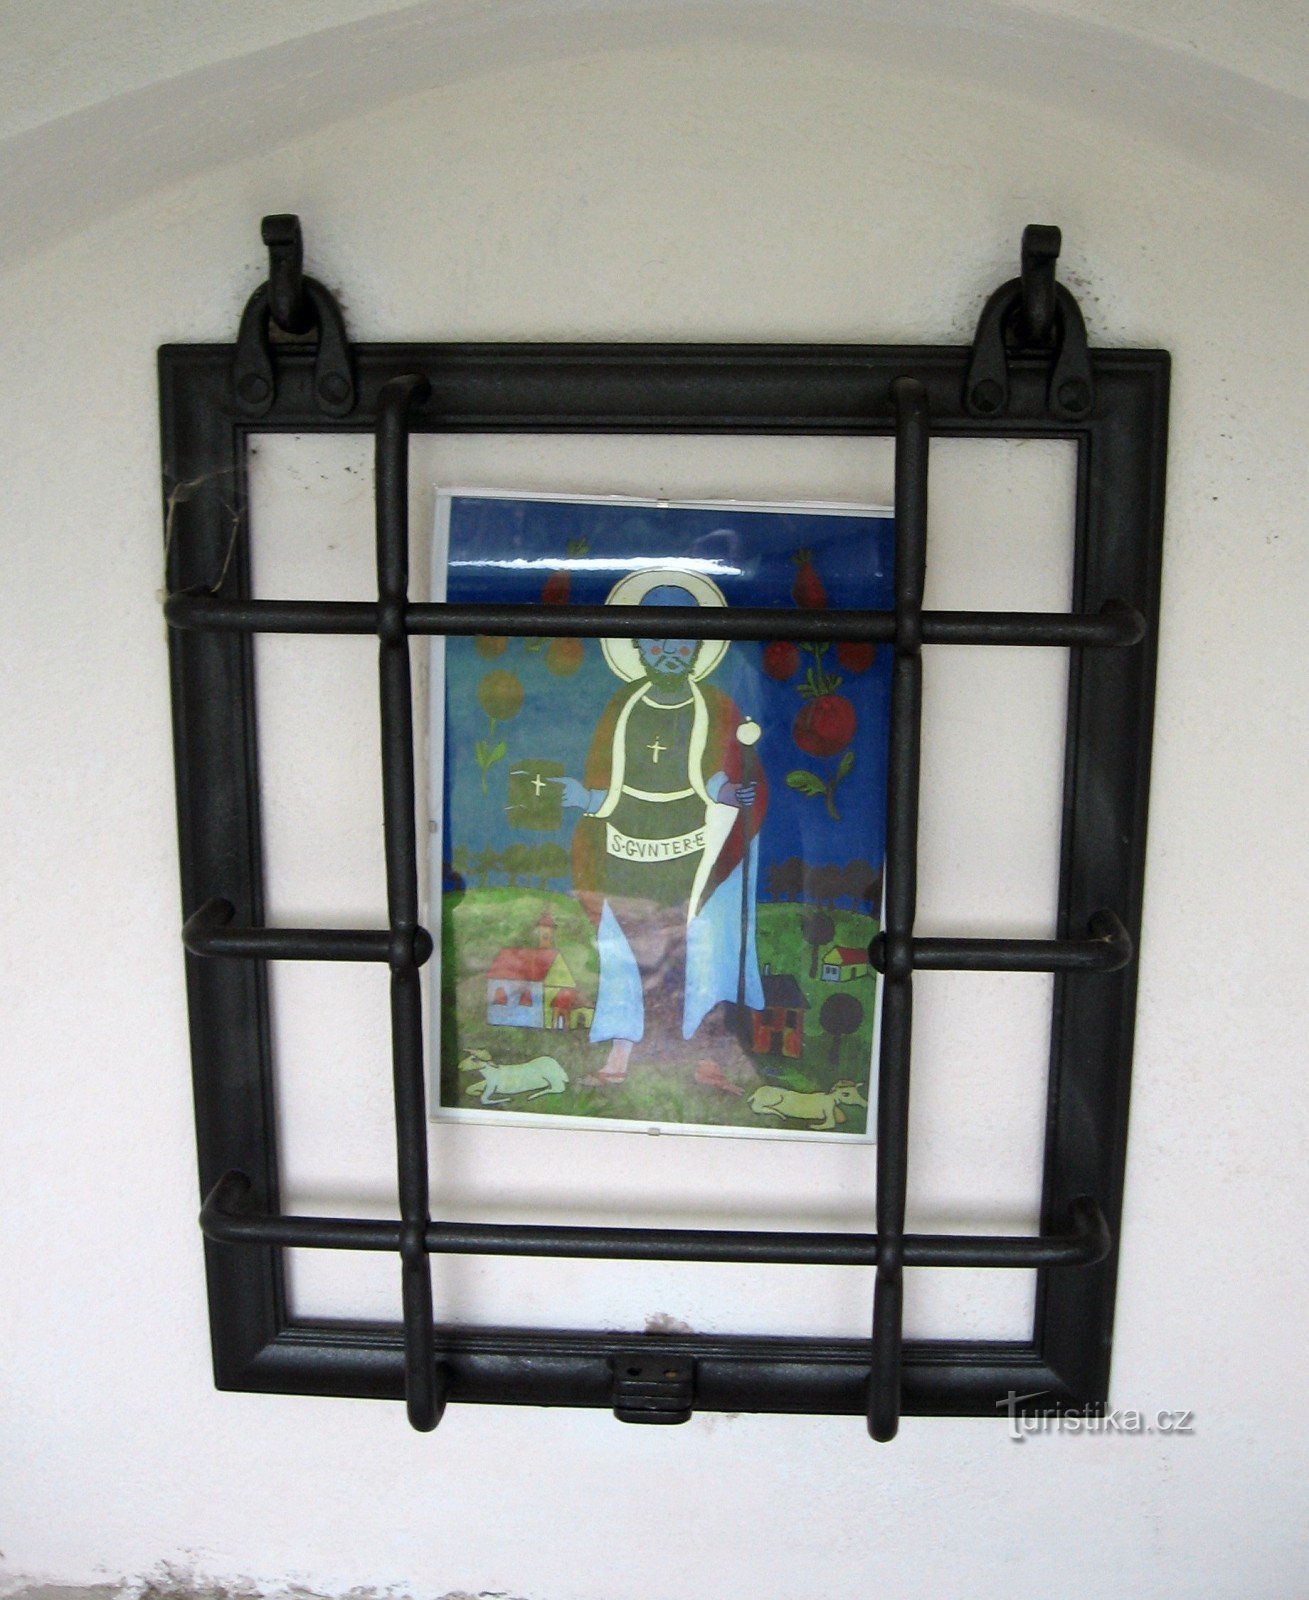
[1029, 374]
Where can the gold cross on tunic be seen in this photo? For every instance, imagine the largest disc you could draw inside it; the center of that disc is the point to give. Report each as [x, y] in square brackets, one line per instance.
[538, 783]
[655, 749]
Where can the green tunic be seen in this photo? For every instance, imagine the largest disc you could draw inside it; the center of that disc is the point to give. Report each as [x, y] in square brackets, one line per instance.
[654, 834]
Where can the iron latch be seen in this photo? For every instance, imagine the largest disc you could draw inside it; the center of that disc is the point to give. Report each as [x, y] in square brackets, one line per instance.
[658, 1389]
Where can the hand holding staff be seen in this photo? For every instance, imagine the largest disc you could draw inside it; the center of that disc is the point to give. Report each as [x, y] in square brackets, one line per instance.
[747, 736]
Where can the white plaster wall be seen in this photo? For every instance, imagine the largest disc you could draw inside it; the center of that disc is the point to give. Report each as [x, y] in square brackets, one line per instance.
[691, 185]
[102, 104]
[72, 57]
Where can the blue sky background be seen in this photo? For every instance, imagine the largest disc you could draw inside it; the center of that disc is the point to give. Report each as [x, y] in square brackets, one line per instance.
[505, 549]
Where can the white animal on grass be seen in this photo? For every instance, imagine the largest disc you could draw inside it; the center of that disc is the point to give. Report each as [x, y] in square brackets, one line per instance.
[821, 1111]
[499, 1084]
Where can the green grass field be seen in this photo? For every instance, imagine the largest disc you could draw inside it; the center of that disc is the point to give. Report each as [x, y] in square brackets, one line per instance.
[479, 922]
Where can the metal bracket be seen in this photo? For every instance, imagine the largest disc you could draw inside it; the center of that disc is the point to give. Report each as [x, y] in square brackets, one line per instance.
[1034, 315]
[292, 306]
[653, 1389]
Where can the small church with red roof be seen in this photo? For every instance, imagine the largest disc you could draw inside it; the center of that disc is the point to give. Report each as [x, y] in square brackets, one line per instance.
[531, 986]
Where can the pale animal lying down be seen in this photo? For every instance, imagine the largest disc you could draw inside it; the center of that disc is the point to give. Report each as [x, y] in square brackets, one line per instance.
[541, 1075]
[821, 1111]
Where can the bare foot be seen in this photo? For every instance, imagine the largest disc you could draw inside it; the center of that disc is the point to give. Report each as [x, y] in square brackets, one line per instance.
[615, 1067]
[710, 1074]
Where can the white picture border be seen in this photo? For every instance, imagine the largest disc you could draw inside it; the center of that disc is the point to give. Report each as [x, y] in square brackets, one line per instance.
[508, 1118]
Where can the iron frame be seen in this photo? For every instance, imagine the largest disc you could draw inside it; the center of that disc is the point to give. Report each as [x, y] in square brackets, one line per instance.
[1111, 632]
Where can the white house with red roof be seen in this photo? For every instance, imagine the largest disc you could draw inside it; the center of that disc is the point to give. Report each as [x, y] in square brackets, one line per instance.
[531, 986]
[841, 962]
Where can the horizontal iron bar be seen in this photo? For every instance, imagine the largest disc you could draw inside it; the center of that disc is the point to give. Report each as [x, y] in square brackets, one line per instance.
[226, 1219]
[208, 932]
[704, 389]
[733, 1372]
[1108, 949]
[1115, 624]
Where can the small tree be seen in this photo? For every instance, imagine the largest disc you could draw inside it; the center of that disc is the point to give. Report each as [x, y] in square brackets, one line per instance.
[863, 882]
[786, 879]
[818, 929]
[533, 868]
[516, 863]
[840, 1016]
[823, 884]
[554, 861]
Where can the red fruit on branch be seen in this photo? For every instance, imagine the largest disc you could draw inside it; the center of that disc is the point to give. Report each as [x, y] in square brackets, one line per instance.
[558, 586]
[563, 657]
[825, 725]
[854, 655]
[555, 589]
[500, 695]
[781, 660]
[807, 587]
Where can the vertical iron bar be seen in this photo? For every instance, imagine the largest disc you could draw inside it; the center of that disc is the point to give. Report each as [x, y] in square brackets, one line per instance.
[911, 442]
[424, 1395]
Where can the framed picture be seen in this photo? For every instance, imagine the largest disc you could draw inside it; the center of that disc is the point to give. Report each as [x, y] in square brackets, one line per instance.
[659, 860]
[262, 1339]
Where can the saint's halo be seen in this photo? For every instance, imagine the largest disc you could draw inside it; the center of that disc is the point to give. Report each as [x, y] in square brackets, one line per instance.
[622, 655]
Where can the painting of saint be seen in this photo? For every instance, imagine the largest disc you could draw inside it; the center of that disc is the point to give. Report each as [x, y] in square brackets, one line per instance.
[642, 842]
[663, 852]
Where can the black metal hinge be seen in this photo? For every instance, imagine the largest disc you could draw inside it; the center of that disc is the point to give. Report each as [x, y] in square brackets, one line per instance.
[1032, 314]
[295, 307]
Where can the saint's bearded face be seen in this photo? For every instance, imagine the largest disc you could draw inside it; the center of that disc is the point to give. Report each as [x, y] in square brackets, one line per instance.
[667, 660]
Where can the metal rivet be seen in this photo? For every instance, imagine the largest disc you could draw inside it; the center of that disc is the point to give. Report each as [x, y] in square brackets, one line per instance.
[1074, 395]
[333, 388]
[987, 395]
[253, 388]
